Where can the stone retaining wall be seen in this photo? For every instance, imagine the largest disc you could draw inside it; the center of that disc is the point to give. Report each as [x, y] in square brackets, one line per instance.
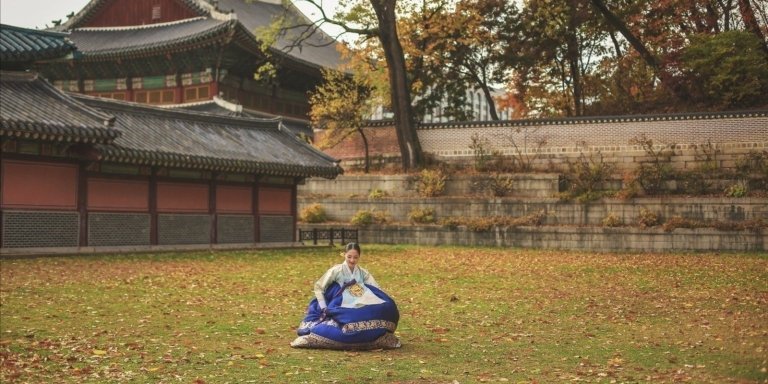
[529, 184]
[597, 239]
[558, 212]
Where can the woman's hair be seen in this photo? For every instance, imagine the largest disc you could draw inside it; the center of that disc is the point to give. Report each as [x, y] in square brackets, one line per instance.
[352, 246]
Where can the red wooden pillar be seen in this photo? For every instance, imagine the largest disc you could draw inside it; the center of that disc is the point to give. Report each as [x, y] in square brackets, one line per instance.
[153, 233]
[212, 208]
[294, 207]
[82, 203]
[255, 207]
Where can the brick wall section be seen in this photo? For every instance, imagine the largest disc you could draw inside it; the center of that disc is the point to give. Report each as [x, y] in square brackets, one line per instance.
[734, 133]
[382, 141]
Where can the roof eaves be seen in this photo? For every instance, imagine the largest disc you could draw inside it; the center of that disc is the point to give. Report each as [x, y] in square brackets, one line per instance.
[90, 9]
[177, 160]
[200, 39]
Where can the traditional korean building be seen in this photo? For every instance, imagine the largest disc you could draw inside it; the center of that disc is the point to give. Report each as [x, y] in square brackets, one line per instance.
[80, 173]
[175, 52]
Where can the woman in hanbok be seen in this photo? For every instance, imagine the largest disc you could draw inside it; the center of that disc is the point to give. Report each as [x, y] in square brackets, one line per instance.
[349, 310]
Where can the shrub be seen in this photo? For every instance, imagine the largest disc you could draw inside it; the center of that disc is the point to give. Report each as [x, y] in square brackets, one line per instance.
[376, 194]
[653, 176]
[480, 224]
[738, 189]
[612, 220]
[751, 225]
[500, 185]
[422, 215]
[647, 218]
[680, 222]
[362, 217]
[431, 183]
[451, 222]
[314, 213]
[497, 185]
[586, 176]
[365, 217]
[480, 152]
[484, 224]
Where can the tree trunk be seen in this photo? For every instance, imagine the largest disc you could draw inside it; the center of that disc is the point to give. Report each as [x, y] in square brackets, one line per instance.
[405, 124]
[615, 22]
[748, 15]
[491, 102]
[635, 42]
[572, 44]
[367, 166]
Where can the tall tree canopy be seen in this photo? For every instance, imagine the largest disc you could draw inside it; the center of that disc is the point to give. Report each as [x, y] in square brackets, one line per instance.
[560, 57]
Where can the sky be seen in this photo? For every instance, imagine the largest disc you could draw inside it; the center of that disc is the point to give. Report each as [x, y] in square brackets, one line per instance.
[37, 13]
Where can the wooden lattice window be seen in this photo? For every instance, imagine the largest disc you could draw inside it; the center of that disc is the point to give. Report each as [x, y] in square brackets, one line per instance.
[160, 96]
[196, 93]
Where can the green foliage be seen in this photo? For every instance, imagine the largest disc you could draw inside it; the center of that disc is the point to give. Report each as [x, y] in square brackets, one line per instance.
[431, 182]
[726, 70]
[365, 217]
[647, 218]
[738, 189]
[314, 213]
[377, 194]
[339, 106]
[422, 215]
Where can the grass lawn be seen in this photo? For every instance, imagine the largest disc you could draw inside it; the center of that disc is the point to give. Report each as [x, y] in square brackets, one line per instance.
[468, 315]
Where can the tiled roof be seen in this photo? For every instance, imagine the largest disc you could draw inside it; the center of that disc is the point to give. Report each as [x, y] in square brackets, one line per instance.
[21, 44]
[218, 106]
[96, 43]
[319, 49]
[92, 8]
[31, 108]
[167, 137]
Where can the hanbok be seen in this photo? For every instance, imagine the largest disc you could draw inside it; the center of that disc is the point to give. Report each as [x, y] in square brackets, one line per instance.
[358, 315]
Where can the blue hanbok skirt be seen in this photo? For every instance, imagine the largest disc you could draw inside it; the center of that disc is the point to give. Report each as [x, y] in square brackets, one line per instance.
[366, 327]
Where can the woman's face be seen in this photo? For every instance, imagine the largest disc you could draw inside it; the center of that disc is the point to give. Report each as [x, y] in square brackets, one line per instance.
[352, 257]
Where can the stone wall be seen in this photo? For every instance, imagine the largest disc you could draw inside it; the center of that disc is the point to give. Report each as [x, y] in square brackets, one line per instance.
[557, 212]
[733, 134]
[595, 239]
[528, 184]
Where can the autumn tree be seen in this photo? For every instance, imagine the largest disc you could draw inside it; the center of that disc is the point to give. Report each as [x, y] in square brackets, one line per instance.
[369, 19]
[342, 104]
[453, 47]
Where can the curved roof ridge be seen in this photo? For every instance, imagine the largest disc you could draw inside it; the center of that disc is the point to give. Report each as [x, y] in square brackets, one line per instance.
[90, 9]
[178, 113]
[140, 27]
